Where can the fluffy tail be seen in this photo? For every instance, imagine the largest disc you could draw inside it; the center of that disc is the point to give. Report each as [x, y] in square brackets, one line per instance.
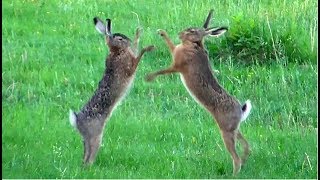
[246, 108]
[72, 118]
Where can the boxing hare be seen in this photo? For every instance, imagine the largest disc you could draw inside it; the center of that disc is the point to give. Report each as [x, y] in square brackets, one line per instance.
[121, 65]
[191, 60]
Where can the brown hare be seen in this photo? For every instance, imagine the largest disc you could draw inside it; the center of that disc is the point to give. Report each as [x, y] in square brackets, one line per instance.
[121, 65]
[191, 60]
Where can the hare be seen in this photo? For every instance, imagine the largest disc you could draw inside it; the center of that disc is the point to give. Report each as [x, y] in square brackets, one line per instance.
[118, 76]
[191, 60]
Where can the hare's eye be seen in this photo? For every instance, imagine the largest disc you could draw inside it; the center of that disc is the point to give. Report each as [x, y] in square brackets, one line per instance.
[120, 39]
[192, 30]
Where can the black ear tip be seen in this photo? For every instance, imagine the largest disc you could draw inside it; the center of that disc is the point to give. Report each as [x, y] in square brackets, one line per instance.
[223, 28]
[95, 20]
[108, 23]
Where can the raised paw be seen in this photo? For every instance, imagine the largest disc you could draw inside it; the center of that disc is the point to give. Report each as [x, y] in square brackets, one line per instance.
[138, 31]
[150, 48]
[161, 32]
[149, 77]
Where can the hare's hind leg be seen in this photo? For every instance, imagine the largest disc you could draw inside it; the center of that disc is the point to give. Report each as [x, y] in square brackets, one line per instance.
[229, 138]
[245, 145]
[86, 150]
[93, 147]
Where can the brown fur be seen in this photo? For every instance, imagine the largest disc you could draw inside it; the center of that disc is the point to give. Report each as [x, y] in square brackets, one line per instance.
[191, 60]
[121, 65]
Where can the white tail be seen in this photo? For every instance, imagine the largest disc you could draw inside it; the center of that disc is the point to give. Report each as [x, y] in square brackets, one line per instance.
[72, 118]
[247, 110]
[192, 62]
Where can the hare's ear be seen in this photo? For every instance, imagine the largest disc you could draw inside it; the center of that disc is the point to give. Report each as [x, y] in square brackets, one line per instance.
[108, 26]
[215, 32]
[206, 23]
[101, 28]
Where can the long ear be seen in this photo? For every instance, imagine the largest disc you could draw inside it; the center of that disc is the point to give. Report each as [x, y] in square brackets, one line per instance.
[215, 32]
[99, 25]
[206, 23]
[108, 27]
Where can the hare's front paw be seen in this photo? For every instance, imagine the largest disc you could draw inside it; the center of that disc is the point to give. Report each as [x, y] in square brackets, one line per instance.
[161, 32]
[150, 48]
[149, 77]
[138, 31]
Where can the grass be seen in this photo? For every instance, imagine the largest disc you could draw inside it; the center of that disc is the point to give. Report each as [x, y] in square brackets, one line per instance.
[53, 59]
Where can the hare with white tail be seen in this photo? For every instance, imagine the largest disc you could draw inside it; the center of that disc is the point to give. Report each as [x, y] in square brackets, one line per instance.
[118, 76]
[191, 60]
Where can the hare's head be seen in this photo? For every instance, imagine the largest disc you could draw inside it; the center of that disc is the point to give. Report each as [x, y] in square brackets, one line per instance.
[197, 34]
[114, 40]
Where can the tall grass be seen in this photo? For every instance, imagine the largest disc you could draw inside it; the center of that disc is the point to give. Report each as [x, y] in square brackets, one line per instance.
[53, 59]
[266, 31]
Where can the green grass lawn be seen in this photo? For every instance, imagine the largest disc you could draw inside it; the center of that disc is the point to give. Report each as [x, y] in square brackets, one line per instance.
[53, 59]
